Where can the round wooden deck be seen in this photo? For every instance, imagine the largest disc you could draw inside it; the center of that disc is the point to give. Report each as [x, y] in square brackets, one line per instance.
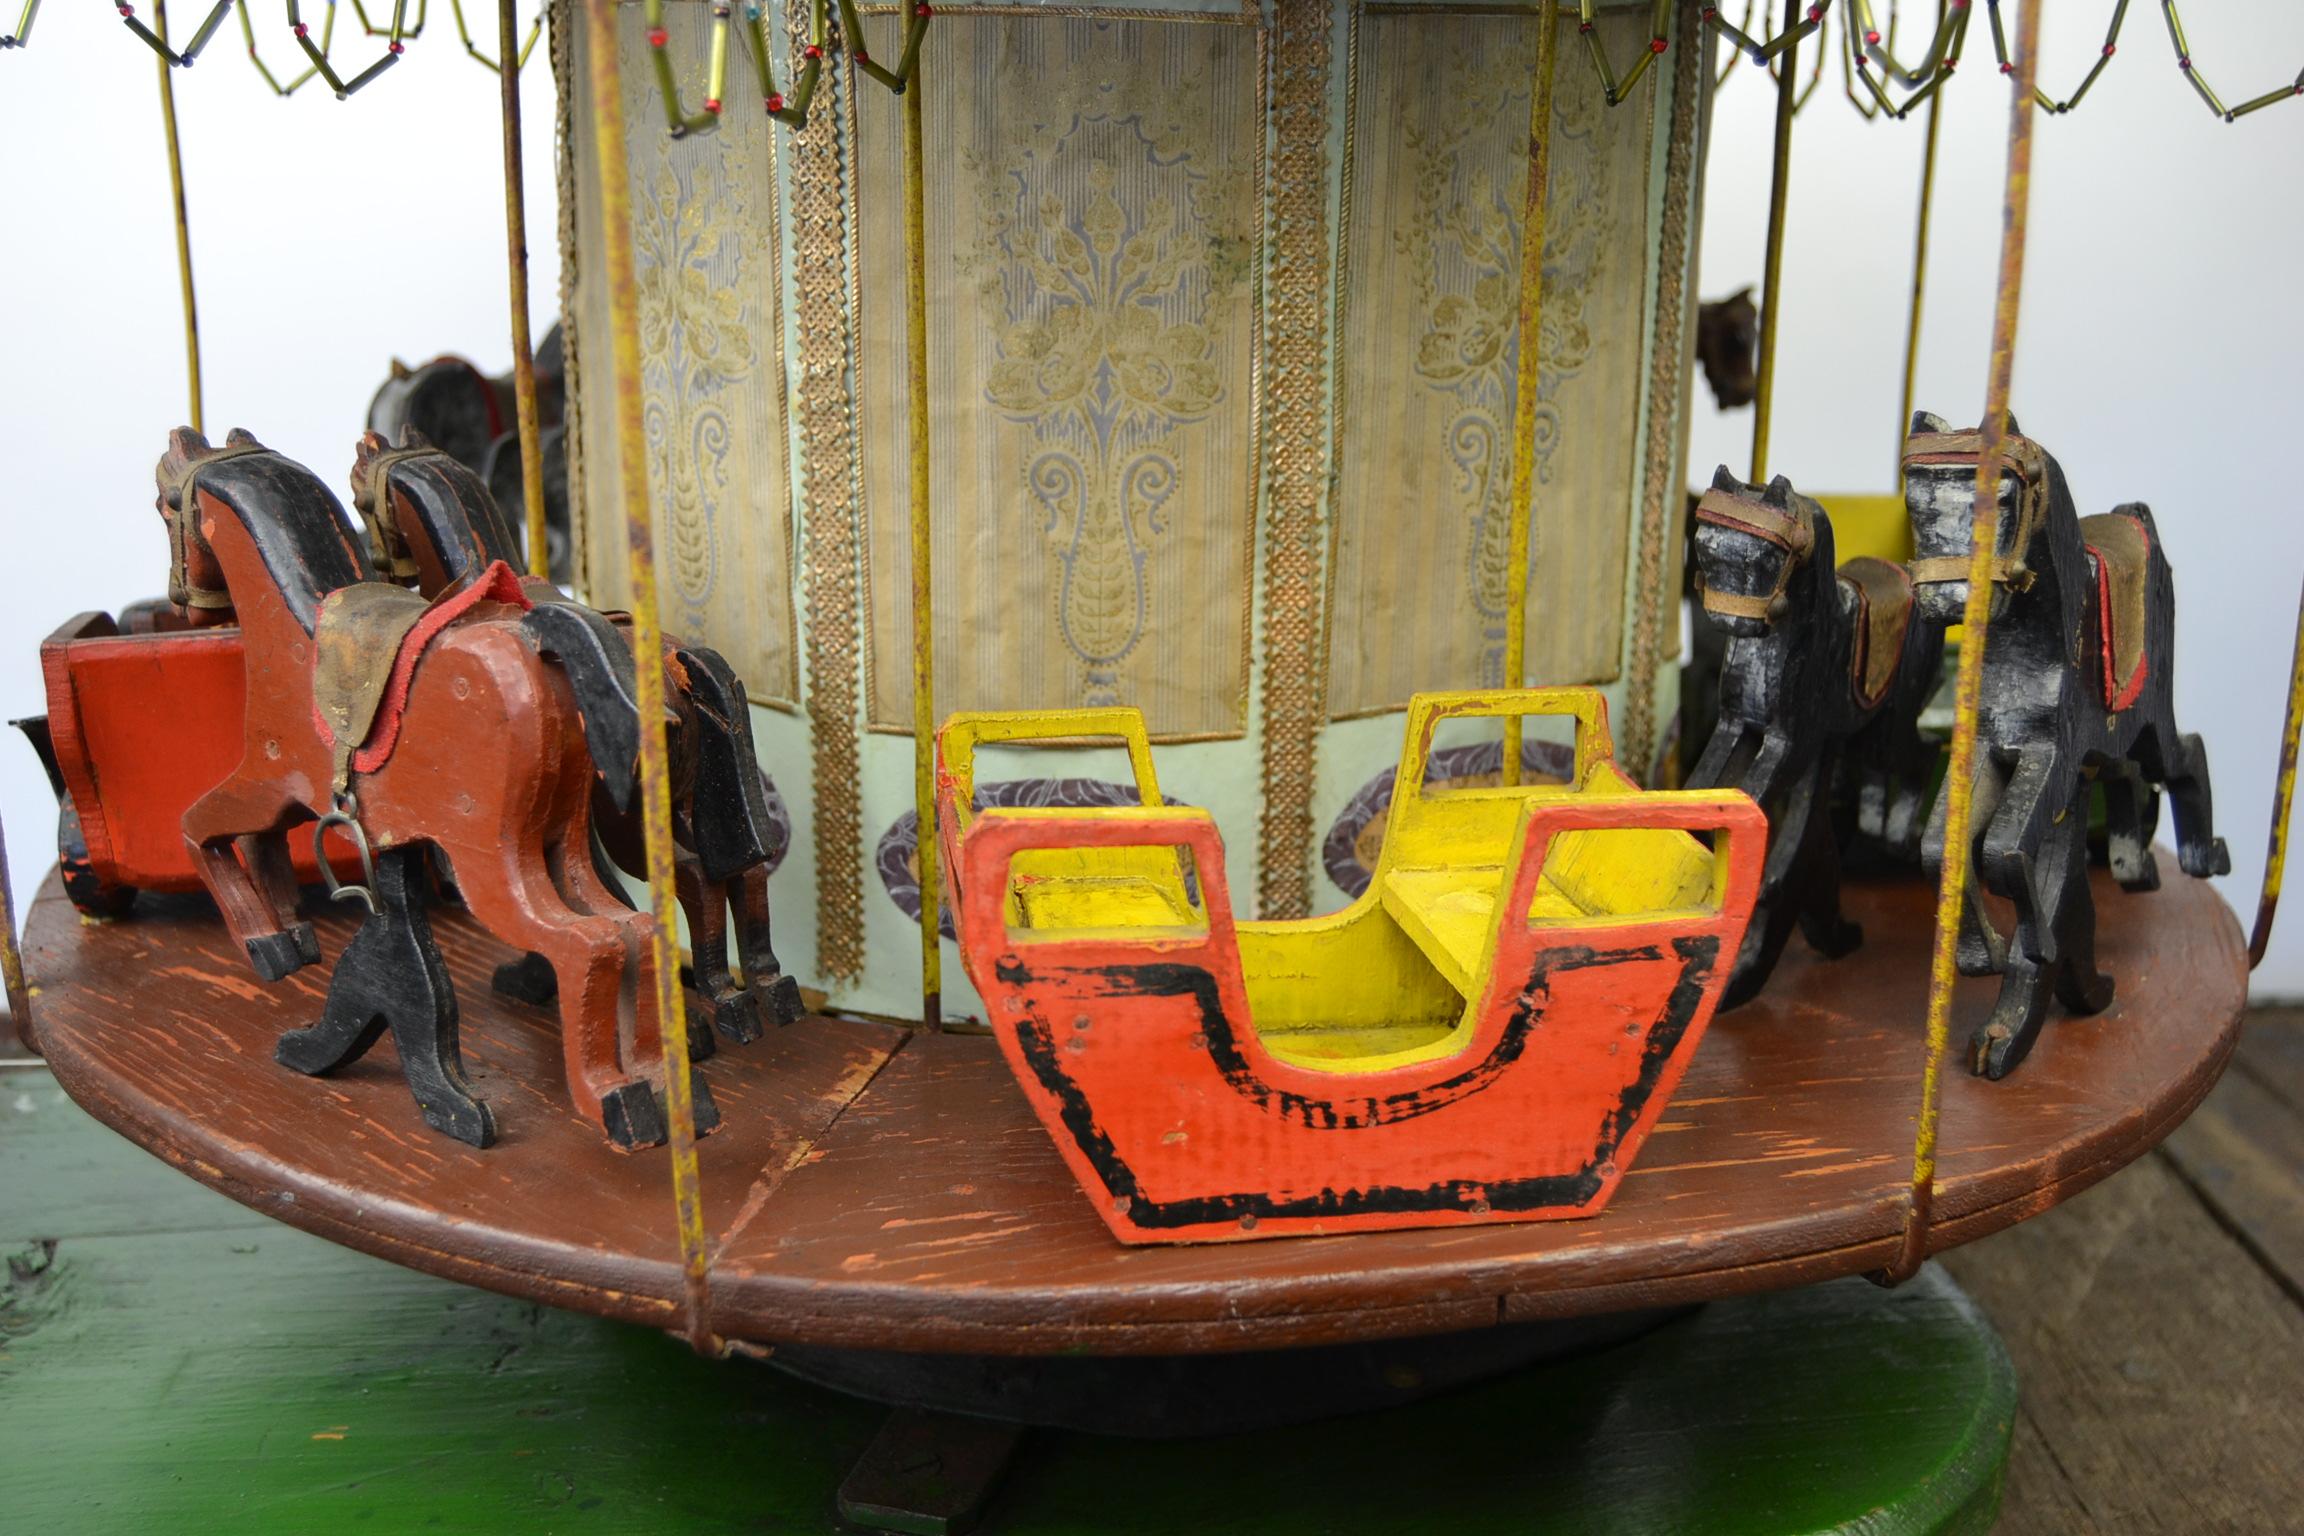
[877, 1188]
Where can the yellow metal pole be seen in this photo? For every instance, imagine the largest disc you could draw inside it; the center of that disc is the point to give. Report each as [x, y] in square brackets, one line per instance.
[11, 958]
[1772, 273]
[516, 257]
[183, 219]
[1919, 268]
[1959, 777]
[923, 588]
[2283, 801]
[648, 647]
[1529, 378]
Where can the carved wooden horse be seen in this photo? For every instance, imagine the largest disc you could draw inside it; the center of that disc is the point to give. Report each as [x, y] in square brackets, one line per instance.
[1819, 662]
[2079, 669]
[443, 726]
[439, 527]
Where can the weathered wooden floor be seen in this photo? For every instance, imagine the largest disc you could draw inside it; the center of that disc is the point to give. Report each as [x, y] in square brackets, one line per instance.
[2157, 1323]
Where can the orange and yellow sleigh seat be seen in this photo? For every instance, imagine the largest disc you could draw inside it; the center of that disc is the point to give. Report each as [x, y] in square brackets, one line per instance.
[1487, 1034]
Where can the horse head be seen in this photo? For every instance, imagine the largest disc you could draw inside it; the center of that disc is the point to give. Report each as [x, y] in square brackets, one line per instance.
[1750, 543]
[1940, 473]
[431, 521]
[195, 575]
[449, 400]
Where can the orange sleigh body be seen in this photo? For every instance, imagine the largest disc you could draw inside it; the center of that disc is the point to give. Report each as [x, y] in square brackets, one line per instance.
[1488, 1034]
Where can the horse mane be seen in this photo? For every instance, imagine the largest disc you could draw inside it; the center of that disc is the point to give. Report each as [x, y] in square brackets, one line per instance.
[296, 523]
[460, 515]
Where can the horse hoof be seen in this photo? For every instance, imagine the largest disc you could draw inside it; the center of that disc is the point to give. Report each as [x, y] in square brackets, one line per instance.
[737, 1017]
[780, 1001]
[277, 955]
[528, 979]
[1993, 1052]
[632, 1117]
[469, 1122]
[701, 1045]
[307, 943]
[707, 1112]
[2201, 863]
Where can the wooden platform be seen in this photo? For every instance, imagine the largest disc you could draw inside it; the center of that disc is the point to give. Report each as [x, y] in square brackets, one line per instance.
[873, 1189]
[171, 1362]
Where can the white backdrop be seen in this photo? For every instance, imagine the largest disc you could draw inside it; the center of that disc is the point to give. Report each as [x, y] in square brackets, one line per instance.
[2158, 358]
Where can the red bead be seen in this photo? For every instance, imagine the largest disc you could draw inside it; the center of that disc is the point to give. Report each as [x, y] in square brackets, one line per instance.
[862, 57]
[1873, 38]
[2185, 63]
[127, 10]
[775, 103]
[1815, 13]
[302, 30]
[1657, 45]
[1583, 26]
[712, 105]
[923, 11]
[2109, 50]
[2007, 69]
[656, 37]
[393, 47]
[1711, 13]
[813, 52]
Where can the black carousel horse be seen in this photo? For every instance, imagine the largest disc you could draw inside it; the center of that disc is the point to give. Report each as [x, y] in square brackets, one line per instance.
[2079, 673]
[1825, 672]
[434, 523]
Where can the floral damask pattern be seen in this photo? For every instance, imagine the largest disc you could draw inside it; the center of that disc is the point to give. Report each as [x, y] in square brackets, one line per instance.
[1465, 251]
[1106, 242]
[694, 343]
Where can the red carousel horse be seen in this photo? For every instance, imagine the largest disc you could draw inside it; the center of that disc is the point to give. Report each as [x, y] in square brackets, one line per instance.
[404, 723]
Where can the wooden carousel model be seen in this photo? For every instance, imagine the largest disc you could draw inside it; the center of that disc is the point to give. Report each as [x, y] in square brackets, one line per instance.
[1550, 1072]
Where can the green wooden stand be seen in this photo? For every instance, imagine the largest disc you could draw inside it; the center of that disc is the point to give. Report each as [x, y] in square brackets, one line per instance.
[172, 1361]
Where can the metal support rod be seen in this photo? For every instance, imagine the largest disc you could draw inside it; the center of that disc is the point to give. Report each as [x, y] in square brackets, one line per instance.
[1919, 272]
[648, 649]
[508, 58]
[1959, 776]
[923, 586]
[11, 958]
[1529, 380]
[183, 219]
[1772, 275]
[2283, 801]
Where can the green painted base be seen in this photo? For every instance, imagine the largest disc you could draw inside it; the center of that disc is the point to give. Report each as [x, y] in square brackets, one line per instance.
[171, 1361]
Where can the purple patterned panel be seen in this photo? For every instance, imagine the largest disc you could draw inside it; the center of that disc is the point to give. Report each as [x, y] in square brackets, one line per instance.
[1348, 853]
[898, 845]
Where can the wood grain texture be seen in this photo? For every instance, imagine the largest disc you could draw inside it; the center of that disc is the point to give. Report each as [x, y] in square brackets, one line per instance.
[174, 1363]
[933, 1213]
[2144, 1417]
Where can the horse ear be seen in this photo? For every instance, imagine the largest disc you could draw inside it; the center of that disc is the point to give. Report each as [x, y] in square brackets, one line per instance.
[411, 438]
[1742, 295]
[2013, 429]
[1724, 479]
[1925, 423]
[241, 437]
[400, 370]
[1779, 493]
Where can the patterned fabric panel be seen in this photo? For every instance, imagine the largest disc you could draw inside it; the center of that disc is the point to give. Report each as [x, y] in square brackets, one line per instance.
[1093, 249]
[712, 374]
[1428, 357]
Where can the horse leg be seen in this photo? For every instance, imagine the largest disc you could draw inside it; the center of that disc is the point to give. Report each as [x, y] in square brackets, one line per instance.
[2079, 985]
[2183, 767]
[777, 994]
[2129, 813]
[266, 855]
[2050, 888]
[513, 896]
[2013, 856]
[529, 979]
[1783, 892]
[1822, 924]
[1981, 950]
[392, 974]
[211, 827]
[726, 1004]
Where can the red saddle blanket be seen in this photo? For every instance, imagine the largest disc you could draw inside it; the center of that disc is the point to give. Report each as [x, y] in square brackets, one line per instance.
[2120, 547]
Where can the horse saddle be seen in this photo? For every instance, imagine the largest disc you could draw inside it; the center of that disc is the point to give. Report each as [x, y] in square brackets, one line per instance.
[1883, 614]
[365, 646]
[2120, 550]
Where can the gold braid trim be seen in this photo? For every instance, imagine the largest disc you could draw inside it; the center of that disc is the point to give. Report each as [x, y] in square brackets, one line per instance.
[565, 90]
[828, 492]
[1668, 364]
[1295, 671]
